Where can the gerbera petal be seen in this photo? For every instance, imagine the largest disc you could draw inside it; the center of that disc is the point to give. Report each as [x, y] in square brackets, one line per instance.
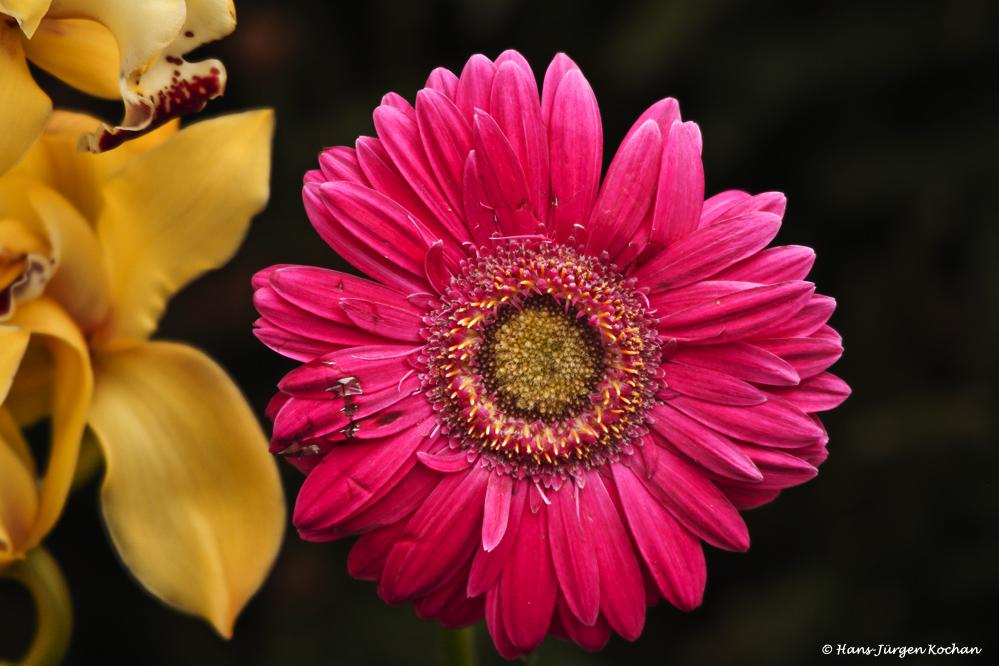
[401, 137]
[528, 585]
[410, 411]
[445, 597]
[774, 423]
[752, 311]
[694, 501]
[283, 314]
[576, 145]
[351, 476]
[703, 445]
[354, 371]
[366, 560]
[488, 564]
[626, 193]
[780, 469]
[680, 194]
[191, 498]
[744, 497]
[774, 264]
[318, 290]
[818, 393]
[673, 555]
[496, 514]
[398, 102]
[735, 203]
[805, 322]
[194, 211]
[674, 300]
[707, 251]
[560, 65]
[341, 163]
[497, 627]
[475, 86]
[291, 344]
[380, 319]
[711, 386]
[663, 113]
[482, 221]
[402, 499]
[573, 544]
[622, 593]
[739, 359]
[503, 178]
[24, 108]
[516, 109]
[447, 138]
[443, 81]
[438, 539]
[808, 356]
[590, 637]
[355, 250]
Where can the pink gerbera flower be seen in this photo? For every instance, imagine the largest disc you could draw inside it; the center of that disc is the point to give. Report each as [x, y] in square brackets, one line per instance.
[553, 390]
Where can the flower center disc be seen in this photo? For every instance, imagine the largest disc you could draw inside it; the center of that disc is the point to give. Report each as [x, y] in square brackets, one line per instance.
[540, 361]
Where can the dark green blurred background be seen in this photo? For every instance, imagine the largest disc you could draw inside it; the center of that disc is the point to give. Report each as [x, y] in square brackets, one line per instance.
[878, 120]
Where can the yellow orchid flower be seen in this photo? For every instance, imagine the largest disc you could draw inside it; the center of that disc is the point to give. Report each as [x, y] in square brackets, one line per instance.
[91, 249]
[109, 48]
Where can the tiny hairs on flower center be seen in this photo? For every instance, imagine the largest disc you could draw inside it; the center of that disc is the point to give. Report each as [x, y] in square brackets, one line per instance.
[542, 359]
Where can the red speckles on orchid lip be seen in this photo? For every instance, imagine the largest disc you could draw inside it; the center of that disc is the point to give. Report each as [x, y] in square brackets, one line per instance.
[541, 359]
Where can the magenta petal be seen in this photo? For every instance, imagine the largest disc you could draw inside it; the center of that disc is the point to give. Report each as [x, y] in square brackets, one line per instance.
[482, 221]
[340, 163]
[711, 386]
[379, 222]
[349, 372]
[675, 300]
[573, 542]
[290, 344]
[475, 86]
[433, 265]
[497, 629]
[499, 491]
[514, 58]
[775, 423]
[401, 416]
[350, 476]
[401, 500]
[488, 565]
[438, 539]
[808, 356]
[465, 614]
[680, 194]
[622, 592]
[576, 146]
[503, 178]
[385, 320]
[707, 251]
[703, 445]
[554, 75]
[590, 637]
[780, 469]
[517, 111]
[367, 558]
[820, 393]
[663, 113]
[446, 596]
[448, 461]
[443, 81]
[447, 138]
[356, 250]
[744, 497]
[739, 359]
[626, 193]
[715, 206]
[528, 585]
[262, 277]
[804, 323]
[673, 555]
[318, 290]
[772, 265]
[733, 206]
[279, 312]
[399, 103]
[694, 501]
[744, 313]
[401, 137]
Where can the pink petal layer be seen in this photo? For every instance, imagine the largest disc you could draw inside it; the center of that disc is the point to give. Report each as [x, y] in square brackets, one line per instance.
[528, 585]
[820, 393]
[680, 194]
[488, 565]
[503, 178]
[774, 423]
[385, 320]
[447, 138]
[703, 445]
[808, 356]
[710, 385]
[573, 544]
[739, 359]
[775, 264]
[496, 513]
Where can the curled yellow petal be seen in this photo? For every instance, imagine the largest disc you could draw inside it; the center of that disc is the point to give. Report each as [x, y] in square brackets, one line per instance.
[81, 52]
[27, 13]
[194, 196]
[191, 497]
[13, 343]
[24, 108]
[72, 385]
[80, 282]
[18, 489]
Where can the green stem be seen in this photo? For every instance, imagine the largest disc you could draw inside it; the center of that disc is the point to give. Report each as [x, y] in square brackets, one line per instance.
[40, 573]
[457, 647]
